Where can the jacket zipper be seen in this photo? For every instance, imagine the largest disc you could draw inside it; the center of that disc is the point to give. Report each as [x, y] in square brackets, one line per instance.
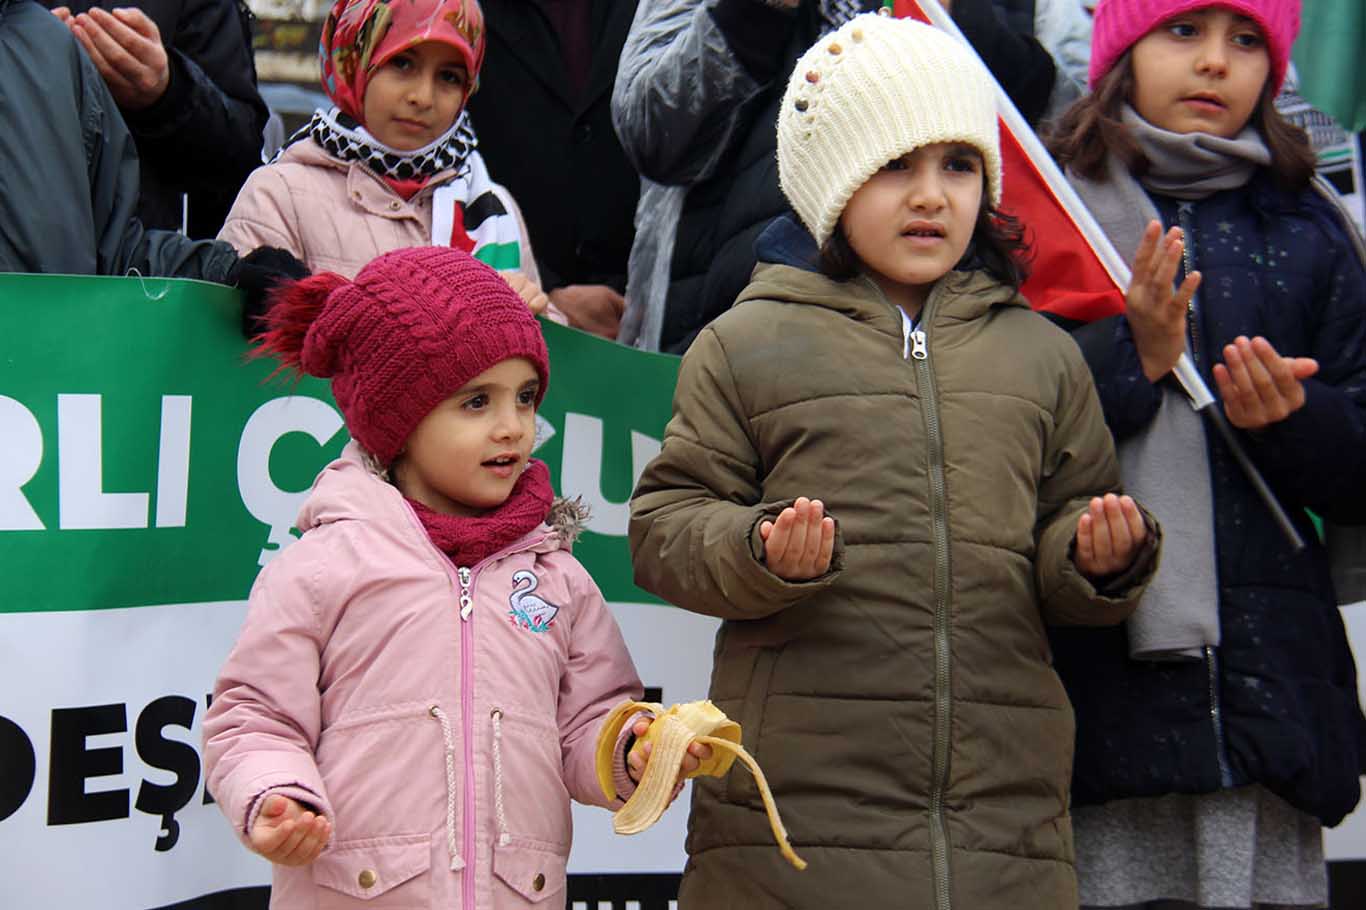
[465, 576]
[1216, 718]
[1188, 263]
[920, 348]
[939, 838]
[943, 703]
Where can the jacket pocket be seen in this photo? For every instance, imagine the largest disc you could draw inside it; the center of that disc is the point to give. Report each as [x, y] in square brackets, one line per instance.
[384, 771]
[393, 866]
[533, 873]
[740, 785]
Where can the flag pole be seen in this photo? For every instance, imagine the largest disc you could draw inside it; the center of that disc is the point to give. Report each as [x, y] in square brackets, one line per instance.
[1192, 383]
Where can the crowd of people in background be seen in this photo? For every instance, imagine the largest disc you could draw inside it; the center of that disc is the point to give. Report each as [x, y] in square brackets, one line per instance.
[1013, 620]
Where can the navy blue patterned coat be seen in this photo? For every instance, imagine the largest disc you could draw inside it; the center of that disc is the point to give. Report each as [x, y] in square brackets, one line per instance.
[1276, 703]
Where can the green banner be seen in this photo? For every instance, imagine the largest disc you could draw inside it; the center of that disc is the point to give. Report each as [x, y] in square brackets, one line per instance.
[144, 461]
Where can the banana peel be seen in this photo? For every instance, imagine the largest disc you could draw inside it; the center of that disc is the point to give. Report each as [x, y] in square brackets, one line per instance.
[670, 734]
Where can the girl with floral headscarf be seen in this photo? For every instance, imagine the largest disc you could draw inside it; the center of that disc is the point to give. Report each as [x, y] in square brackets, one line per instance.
[394, 163]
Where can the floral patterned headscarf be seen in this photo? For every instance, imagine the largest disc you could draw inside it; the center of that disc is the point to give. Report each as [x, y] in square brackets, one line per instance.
[360, 36]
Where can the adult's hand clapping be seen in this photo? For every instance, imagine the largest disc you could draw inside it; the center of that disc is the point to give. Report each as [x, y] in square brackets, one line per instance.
[126, 47]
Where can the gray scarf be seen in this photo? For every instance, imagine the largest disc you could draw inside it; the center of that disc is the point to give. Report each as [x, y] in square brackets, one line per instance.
[1166, 466]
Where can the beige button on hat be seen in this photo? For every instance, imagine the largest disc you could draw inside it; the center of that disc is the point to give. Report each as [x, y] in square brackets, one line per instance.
[873, 90]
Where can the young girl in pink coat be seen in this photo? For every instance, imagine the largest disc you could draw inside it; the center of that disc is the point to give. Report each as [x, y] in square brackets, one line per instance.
[394, 163]
[417, 689]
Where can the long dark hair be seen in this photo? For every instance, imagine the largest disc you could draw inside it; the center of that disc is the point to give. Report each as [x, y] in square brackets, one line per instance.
[1091, 129]
[997, 246]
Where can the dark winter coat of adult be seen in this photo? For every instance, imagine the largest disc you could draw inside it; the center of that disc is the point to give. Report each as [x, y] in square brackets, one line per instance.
[544, 119]
[69, 168]
[202, 136]
[695, 105]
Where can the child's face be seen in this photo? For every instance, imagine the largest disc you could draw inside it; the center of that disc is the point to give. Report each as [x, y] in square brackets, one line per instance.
[1200, 72]
[466, 455]
[415, 96]
[911, 221]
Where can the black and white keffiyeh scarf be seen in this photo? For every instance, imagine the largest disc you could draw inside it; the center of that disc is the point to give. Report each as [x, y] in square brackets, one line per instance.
[344, 138]
[467, 212]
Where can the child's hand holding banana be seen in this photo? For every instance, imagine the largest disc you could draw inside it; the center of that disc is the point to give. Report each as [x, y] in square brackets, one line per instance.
[675, 745]
[637, 759]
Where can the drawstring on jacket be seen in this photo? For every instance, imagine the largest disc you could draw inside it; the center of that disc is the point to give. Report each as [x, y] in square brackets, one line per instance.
[456, 862]
[503, 836]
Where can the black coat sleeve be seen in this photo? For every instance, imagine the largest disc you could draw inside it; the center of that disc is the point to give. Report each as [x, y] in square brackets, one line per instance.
[204, 133]
[122, 244]
[1316, 457]
[1127, 399]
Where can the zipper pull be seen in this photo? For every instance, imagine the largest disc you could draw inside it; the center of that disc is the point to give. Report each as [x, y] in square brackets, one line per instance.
[920, 349]
[466, 601]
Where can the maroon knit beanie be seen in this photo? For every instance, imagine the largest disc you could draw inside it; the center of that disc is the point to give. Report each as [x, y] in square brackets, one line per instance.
[1119, 24]
[410, 331]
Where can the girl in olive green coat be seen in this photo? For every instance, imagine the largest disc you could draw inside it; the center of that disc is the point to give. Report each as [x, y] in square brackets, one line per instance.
[884, 646]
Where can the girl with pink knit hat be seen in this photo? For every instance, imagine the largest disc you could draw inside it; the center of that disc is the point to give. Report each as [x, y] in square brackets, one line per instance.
[1218, 729]
[395, 162]
[417, 689]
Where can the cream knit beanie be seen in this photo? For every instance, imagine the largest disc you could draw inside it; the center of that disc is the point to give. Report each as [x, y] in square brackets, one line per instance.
[873, 90]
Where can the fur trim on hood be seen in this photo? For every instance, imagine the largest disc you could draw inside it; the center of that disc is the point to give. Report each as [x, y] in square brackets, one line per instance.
[567, 518]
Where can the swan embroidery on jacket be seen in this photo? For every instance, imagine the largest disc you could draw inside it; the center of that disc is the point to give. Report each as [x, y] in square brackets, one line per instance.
[530, 611]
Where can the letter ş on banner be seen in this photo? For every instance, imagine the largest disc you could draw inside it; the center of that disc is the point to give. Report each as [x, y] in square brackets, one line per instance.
[74, 761]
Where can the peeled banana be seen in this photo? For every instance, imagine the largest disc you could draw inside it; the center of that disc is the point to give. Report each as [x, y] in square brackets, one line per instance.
[671, 733]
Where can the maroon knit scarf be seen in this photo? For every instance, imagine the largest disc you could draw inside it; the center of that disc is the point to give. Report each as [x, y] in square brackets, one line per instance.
[467, 540]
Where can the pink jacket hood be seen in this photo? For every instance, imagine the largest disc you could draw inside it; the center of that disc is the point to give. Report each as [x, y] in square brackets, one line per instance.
[444, 748]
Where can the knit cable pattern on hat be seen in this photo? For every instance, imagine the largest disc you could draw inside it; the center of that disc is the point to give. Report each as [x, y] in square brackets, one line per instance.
[873, 90]
[412, 329]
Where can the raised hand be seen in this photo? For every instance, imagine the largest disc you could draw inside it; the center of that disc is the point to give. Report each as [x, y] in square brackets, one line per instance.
[1109, 535]
[288, 834]
[1260, 387]
[126, 48]
[528, 290]
[595, 308]
[1157, 315]
[799, 545]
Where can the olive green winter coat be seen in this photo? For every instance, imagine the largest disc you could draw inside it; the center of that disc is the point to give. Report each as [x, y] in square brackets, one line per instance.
[903, 706]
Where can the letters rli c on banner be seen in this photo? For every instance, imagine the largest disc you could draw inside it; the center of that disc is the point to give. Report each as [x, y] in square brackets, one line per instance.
[83, 504]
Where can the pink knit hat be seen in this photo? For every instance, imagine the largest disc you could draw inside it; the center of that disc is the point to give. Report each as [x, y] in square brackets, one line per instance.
[1120, 23]
[410, 331]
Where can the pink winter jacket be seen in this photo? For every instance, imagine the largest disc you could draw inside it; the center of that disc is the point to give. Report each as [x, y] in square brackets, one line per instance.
[336, 215]
[444, 750]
